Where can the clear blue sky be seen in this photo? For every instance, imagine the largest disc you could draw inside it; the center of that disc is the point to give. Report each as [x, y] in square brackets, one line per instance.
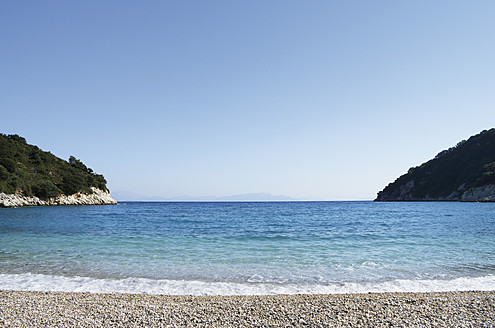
[324, 100]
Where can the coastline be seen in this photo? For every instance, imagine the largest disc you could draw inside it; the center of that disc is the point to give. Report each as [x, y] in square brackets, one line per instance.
[197, 287]
[98, 197]
[58, 309]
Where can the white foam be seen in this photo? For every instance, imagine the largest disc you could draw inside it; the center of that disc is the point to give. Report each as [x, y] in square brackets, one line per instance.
[39, 282]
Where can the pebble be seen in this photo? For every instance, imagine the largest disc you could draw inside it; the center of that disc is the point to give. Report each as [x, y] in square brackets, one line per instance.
[56, 309]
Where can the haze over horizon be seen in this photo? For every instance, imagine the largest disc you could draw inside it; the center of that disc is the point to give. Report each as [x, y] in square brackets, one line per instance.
[323, 100]
[130, 196]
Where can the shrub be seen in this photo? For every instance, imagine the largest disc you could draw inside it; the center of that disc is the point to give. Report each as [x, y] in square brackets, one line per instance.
[46, 189]
[9, 164]
[14, 182]
[16, 138]
[78, 164]
[72, 183]
[4, 174]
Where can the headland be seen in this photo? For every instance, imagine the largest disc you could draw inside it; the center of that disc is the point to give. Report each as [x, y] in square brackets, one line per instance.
[30, 176]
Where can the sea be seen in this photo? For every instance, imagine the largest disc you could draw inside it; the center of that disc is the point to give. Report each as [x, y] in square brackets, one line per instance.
[249, 248]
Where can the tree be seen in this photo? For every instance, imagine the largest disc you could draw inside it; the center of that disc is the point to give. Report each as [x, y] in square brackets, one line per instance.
[73, 182]
[16, 138]
[9, 164]
[4, 174]
[78, 164]
[46, 189]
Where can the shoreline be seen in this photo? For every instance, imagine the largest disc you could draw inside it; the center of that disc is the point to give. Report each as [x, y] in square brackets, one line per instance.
[98, 197]
[198, 287]
[62, 309]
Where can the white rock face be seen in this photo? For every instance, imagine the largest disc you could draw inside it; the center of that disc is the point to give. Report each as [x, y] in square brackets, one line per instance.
[98, 197]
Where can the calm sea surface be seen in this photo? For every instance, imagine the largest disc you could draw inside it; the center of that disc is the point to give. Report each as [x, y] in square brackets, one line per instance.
[249, 247]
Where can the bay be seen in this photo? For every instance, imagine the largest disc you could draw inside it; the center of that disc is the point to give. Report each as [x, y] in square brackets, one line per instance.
[222, 248]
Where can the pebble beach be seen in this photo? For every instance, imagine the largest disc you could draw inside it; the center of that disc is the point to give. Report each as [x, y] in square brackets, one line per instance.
[57, 309]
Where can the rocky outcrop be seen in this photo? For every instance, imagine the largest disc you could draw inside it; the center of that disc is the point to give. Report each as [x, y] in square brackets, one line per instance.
[98, 197]
[480, 194]
[404, 192]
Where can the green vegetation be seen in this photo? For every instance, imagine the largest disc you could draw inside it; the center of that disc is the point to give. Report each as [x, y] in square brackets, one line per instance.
[26, 168]
[471, 163]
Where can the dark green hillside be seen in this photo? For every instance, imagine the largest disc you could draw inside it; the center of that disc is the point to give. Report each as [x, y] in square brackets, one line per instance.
[469, 164]
[26, 168]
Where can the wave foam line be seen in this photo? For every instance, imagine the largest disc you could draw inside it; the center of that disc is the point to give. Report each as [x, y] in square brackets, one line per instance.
[40, 282]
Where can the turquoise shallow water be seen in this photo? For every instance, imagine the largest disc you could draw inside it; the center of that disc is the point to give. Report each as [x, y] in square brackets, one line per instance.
[249, 247]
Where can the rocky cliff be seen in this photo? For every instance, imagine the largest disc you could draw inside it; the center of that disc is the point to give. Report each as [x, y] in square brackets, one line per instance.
[98, 197]
[465, 172]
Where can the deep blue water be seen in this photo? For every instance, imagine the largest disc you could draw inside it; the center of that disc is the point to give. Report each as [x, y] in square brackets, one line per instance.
[249, 247]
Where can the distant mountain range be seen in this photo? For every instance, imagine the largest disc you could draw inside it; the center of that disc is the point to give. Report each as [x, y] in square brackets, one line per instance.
[130, 196]
[465, 172]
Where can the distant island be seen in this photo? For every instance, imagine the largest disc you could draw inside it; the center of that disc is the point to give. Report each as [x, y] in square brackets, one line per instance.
[465, 172]
[31, 176]
[130, 196]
